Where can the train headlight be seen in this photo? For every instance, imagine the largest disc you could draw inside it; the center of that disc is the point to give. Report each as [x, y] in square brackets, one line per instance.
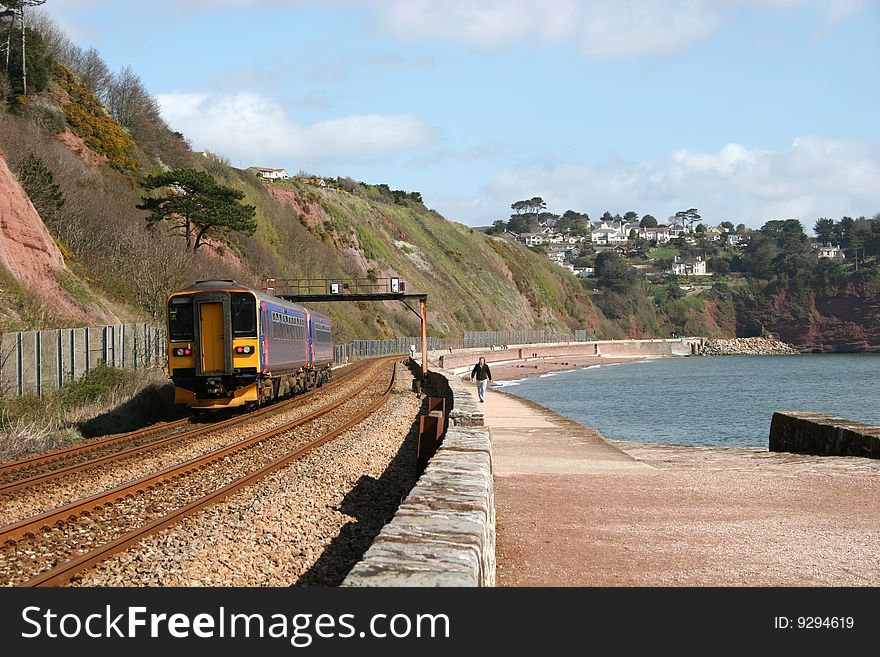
[244, 350]
[181, 351]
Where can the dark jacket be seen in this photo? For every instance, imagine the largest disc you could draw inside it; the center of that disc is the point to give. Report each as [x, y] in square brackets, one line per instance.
[481, 372]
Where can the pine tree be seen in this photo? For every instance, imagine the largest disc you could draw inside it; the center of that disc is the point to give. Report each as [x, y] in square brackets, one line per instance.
[196, 206]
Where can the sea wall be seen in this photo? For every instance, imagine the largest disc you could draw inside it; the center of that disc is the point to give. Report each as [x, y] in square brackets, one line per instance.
[452, 359]
[443, 533]
[747, 347]
[812, 433]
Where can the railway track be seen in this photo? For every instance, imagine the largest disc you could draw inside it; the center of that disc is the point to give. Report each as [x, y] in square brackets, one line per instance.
[52, 547]
[42, 468]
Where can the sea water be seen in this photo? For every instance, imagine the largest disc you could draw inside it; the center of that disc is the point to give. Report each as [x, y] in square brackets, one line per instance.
[723, 401]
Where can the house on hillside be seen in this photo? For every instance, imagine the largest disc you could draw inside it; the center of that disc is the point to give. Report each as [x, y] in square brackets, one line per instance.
[736, 241]
[556, 256]
[267, 173]
[533, 239]
[317, 182]
[689, 267]
[608, 234]
[656, 235]
[832, 252]
[714, 233]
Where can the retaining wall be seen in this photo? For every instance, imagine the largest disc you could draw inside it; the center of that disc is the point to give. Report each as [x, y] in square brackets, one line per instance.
[678, 347]
[443, 533]
[812, 433]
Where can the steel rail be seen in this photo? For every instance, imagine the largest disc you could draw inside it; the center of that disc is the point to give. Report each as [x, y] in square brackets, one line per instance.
[32, 525]
[63, 573]
[73, 450]
[18, 484]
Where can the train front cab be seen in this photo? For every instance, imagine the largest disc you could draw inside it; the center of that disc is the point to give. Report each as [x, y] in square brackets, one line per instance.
[213, 348]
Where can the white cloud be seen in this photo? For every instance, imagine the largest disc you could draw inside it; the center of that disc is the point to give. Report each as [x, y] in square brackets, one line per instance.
[599, 28]
[256, 129]
[813, 177]
[603, 28]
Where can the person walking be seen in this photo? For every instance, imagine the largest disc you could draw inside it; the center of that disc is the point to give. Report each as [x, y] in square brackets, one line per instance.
[483, 375]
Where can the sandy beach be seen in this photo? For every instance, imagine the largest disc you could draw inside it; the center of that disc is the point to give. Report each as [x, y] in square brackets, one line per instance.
[514, 371]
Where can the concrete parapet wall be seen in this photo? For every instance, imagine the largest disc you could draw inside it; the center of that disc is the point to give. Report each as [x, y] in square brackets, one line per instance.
[443, 533]
[812, 433]
[465, 409]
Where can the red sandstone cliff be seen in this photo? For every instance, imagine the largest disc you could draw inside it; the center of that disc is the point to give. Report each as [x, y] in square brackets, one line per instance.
[28, 252]
[841, 318]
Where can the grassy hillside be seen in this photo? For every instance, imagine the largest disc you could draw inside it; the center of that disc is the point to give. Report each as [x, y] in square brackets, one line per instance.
[351, 230]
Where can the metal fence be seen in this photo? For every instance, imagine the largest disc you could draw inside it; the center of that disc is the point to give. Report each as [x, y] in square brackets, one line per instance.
[32, 362]
[499, 338]
[359, 349]
[35, 361]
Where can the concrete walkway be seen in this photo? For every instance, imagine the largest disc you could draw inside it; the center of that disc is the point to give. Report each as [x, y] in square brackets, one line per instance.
[572, 509]
[529, 439]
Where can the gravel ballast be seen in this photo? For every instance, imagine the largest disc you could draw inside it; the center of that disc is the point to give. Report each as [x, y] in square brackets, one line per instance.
[306, 524]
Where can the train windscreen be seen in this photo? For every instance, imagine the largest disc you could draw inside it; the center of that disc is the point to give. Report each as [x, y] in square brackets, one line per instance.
[244, 315]
[180, 319]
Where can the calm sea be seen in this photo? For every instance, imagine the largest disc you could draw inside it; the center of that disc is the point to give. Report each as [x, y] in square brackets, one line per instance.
[716, 401]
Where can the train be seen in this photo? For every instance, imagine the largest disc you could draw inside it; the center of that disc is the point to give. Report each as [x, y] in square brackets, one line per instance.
[230, 346]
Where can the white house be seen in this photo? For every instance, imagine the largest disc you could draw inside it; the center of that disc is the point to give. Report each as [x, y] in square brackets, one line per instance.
[607, 234]
[657, 235]
[556, 256]
[533, 239]
[832, 252]
[270, 174]
[687, 267]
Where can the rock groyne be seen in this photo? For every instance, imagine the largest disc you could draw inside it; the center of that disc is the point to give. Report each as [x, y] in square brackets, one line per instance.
[747, 347]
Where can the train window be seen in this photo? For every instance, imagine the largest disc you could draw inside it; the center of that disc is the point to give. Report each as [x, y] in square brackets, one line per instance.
[244, 315]
[180, 319]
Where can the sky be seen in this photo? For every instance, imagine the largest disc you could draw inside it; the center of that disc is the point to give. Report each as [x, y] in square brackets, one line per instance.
[748, 110]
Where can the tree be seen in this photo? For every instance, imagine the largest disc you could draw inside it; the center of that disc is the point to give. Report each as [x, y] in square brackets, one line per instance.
[497, 227]
[788, 234]
[648, 221]
[759, 255]
[612, 273]
[631, 217]
[843, 231]
[741, 229]
[126, 97]
[824, 228]
[531, 209]
[728, 226]
[19, 6]
[518, 224]
[196, 205]
[93, 73]
[574, 223]
[38, 182]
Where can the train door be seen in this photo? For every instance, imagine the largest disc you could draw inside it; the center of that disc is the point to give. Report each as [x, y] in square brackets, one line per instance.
[310, 336]
[213, 341]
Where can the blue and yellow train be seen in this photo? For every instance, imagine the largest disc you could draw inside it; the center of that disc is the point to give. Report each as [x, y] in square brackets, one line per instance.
[230, 345]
